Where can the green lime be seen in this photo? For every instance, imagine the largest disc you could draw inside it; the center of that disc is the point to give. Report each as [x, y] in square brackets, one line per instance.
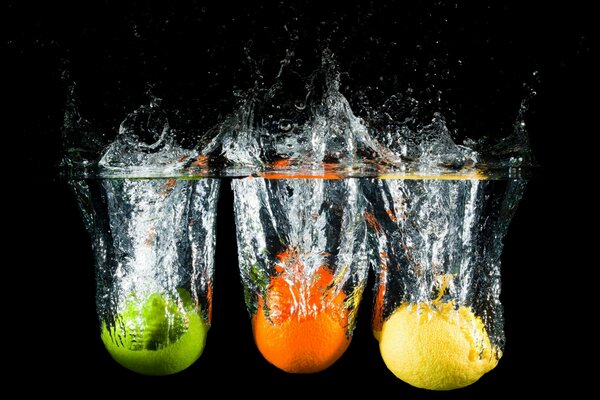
[159, 336]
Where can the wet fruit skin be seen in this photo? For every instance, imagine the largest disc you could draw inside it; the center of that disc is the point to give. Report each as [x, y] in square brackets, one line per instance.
[160, 336]
[302, 328]
[436, 346]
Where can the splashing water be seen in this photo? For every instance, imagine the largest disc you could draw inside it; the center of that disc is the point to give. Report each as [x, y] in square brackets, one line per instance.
[303, 265]
[149, 236]
[440, 240]
[145, 141]
[305, 216]
[428, 213]
[300, 125]
[153, 242]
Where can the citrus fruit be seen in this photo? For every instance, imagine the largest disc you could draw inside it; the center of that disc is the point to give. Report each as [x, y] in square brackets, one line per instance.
[436, 346]
[158, 336]
[302, 326]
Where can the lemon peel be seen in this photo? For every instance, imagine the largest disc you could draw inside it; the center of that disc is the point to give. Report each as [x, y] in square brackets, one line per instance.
[436, 346]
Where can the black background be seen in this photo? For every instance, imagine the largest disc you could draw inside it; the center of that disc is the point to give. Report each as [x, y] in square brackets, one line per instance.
[49, 283]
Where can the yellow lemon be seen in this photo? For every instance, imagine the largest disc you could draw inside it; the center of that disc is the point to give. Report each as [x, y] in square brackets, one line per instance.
[436, 346]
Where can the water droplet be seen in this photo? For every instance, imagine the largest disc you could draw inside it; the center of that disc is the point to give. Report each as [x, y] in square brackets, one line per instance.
[285, 125]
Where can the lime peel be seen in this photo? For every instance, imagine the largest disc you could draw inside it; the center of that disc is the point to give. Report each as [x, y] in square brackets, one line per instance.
[160, 336]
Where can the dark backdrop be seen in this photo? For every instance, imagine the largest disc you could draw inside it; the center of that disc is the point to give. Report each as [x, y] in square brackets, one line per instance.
[113, 50]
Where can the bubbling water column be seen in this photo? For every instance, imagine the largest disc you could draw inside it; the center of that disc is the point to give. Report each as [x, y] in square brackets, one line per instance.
[437, 313]
[153, 239]
[303, 265]
[301, 233]
[317, 190]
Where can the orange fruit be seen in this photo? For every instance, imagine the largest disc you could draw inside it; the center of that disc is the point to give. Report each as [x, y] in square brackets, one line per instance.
[302, 328]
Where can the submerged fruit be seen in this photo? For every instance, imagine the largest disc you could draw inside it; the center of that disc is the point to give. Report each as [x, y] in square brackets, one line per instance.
[302, 328]
[437, 346]
[160, 336]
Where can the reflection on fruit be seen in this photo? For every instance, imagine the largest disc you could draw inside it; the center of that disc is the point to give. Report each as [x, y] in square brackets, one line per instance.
[302, 328]
[159, 336]
[436, 346]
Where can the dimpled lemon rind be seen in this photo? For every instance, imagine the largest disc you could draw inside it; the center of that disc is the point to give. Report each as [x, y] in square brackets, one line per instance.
[436, 347]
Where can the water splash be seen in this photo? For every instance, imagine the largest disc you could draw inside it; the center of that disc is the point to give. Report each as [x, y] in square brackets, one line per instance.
[303, 123]
[437, 215]
[149, 236]
[145, 142]
[440, 240]
[82, 143]
[307, 216]
[299, 125]
[303, 266]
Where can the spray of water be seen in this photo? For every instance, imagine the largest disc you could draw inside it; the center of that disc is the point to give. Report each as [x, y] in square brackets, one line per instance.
[428, 213]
